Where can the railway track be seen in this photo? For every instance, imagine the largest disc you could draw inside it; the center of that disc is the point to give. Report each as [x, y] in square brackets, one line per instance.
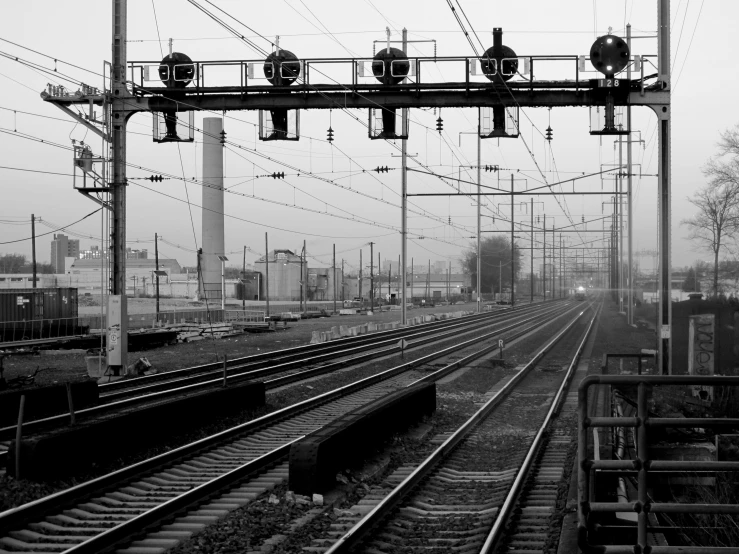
[214, 475]
[295, 364]
[466, 497]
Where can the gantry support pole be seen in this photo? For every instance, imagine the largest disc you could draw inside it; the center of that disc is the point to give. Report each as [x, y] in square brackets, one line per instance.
[118, 318]
[620, 225]
[663, 115]
[630, 221]
[404, 207]
[479, 217]
[513, 254]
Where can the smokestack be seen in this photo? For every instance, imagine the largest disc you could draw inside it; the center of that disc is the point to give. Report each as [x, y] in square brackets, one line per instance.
[213, 234]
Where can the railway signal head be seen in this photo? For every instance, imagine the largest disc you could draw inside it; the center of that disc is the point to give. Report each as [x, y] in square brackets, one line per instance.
[609, 54]
[176, 70]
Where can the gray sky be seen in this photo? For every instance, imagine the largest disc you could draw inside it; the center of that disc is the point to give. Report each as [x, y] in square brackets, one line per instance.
[298, 207]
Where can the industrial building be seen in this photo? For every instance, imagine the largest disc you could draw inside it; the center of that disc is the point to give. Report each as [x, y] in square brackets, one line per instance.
[285, 270]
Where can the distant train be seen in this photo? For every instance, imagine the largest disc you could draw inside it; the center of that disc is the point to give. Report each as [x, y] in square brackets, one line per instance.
[580, 293]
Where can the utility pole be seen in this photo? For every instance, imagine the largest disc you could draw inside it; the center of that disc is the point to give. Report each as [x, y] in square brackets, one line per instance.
[404, 203]
[372, 277]
[360, 277]
[554, 261]
[333, 276]
[243, 287]
[531, 275]
[304, 278]
[266, 271]
[156, 273]
[428, 283]
[544, 250]
[379, 278]
[561, 264]
[342, 282]
[119, 97]
[513, 254]
[389, 278]
[33, 248]
[412, 279]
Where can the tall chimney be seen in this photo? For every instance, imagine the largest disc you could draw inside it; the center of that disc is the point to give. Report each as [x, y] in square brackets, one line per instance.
[213, 234]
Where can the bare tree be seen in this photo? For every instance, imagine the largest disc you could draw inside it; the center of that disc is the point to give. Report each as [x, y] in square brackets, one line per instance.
[717, 220]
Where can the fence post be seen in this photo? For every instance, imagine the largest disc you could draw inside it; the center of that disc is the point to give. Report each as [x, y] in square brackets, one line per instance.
[18, 436]
[70, 402]
[642, 448]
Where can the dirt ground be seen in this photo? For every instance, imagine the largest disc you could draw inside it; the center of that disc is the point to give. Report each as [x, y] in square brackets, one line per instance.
[58, 366]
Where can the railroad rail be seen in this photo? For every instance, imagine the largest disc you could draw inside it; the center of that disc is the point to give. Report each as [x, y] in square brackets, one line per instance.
[297, 363]
[237, 463]
[452, 501]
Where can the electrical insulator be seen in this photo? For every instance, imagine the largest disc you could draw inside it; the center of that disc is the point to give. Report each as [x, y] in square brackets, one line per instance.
[440, 125]
[449, 221]
[583, 219]
[330, 135]
[538, 219]
[280, 175]
[223, 137]
[492, 168]
[382, 169]
[157, 178]
[549, 134]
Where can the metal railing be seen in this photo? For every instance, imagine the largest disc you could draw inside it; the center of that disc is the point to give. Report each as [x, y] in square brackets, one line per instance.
[358, 72]
[642, 465]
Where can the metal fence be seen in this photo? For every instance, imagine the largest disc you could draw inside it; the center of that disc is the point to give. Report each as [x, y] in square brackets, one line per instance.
[245, 316]
[140, 321]
[642, 465]
[40, 329]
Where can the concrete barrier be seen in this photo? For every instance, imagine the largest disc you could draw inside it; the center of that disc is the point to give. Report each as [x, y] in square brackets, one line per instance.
[315, 459]
[344, 330]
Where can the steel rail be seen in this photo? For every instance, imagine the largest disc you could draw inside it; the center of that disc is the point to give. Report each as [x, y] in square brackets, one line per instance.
[499, 526]
[295, 350]
[282, 357]
[36, 509]
[7, 433]
[352, 537]
[438, 374]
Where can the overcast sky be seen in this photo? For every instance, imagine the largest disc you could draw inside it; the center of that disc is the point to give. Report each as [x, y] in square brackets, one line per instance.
[321, 211]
